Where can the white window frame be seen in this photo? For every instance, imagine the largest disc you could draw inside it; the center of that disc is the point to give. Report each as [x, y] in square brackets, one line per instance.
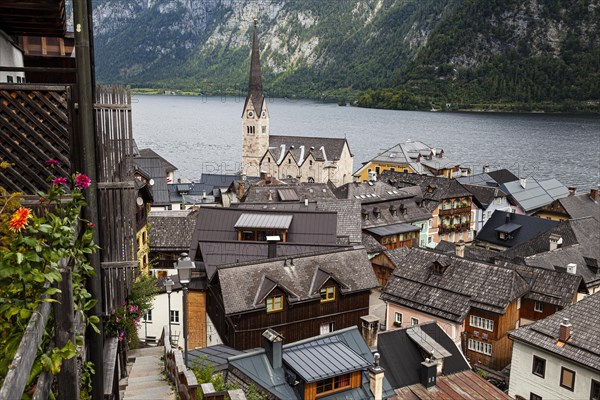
[148, 316]
[482, 323]
[538, 306]
[480, 347]
[396, 319]
[414, 321]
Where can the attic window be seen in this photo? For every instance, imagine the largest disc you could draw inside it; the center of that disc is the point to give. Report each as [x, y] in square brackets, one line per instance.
[327, 294]
[439, 267]
[274, 303]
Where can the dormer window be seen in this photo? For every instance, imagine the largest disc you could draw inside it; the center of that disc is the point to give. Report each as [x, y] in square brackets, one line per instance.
[330, 385]
[327, 294]
[274, 303]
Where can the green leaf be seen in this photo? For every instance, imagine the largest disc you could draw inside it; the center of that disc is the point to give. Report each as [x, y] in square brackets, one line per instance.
[19, 257]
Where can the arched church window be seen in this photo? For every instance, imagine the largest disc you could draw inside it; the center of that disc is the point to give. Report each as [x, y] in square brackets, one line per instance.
[311, 179]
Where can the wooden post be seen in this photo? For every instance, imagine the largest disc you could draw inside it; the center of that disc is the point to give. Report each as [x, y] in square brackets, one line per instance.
[64, 314]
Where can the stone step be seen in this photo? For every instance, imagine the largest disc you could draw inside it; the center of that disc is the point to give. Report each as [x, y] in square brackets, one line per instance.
[157, 383]
[140, 379]
[152, 393]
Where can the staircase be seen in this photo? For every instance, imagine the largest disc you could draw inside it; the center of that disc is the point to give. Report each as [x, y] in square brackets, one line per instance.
[146, 378]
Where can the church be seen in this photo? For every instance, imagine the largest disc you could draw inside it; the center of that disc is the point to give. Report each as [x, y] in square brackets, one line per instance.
[306, 158]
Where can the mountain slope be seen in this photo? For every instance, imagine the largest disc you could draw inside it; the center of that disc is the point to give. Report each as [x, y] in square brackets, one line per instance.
[457, 52]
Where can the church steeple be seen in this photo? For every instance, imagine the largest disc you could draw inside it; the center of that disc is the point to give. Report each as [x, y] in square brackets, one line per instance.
[255, 86]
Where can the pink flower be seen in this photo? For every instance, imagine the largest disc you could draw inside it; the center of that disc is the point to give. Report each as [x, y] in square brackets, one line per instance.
[82, 181]
[52, 163]
[91, 225]
[116, 319]
[59, 181]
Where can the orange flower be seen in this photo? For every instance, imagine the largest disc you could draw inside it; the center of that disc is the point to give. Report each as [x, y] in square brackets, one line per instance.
[19, 219]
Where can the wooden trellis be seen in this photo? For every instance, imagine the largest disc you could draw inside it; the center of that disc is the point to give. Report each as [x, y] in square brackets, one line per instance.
[35, 125]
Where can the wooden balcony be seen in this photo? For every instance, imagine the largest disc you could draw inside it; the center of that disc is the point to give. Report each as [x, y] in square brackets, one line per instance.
[454, 228]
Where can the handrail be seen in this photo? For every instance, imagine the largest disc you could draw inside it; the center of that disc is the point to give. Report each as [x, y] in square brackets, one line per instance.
[185, 381]
[18, 372]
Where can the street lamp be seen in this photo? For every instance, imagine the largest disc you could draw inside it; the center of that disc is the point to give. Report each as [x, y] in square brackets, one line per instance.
[168, 283]
[184, 268]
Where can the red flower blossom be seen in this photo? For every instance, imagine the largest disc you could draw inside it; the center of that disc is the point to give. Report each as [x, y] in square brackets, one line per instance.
[52, 163]
[82, 181]
[19, 219]
[59, 181]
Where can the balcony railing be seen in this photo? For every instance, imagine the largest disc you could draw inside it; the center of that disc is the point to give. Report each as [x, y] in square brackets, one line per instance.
[462, 209]
[454, 228]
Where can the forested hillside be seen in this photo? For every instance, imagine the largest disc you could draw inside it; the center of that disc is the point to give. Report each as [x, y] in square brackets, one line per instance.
[415, 54]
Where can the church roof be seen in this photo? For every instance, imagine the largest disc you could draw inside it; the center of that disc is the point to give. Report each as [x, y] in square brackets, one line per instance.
[255, 86]
[322, 149]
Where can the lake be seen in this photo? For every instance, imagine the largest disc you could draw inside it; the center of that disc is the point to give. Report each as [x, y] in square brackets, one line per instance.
[203, 134]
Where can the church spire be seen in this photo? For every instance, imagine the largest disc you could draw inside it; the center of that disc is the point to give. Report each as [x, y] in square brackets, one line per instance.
[255, 86]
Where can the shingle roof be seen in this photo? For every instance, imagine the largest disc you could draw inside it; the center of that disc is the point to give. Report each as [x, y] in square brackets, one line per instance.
[584, 345]
[311, 191]
[401, 357]
[368, 192]
[371, 244]
[541, 243]
[149, 153]
[483, 196]
[257, 367]
[351, 267]
[521, 228]
[304, 145]
[171, 230]
[478, 180]
[535, 194]
[348, 218]
[580, 206]
[153, 167]
[450, 295]
[393, 212]
[440, 188]
[215, 253]
[546, 285]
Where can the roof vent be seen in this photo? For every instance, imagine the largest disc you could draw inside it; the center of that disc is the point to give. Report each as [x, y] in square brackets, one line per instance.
[572, 268]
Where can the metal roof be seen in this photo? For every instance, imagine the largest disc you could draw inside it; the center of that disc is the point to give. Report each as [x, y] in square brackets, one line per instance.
[427, 343]
[288, 195]
[535, 194]
[264, 221]
[393, 229]
[314, 361]
[508, 228]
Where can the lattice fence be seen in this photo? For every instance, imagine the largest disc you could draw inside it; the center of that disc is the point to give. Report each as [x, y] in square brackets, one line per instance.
[116, 192]
[35, 125]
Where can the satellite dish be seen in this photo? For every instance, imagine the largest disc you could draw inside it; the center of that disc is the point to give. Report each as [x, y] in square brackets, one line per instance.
[151, 182]
[139, 201]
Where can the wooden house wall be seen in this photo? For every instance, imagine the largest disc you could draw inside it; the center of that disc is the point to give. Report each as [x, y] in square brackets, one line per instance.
[294, 322]
[501, 345]
[197, 318]
[383, 268]
[528, 312]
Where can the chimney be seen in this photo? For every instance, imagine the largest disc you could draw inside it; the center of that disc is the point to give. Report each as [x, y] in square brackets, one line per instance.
[523, 182]
[273, 342]
[594, 194]
[572, 268]
[507, 217]
[305, 201]
[376, 378]
[242, 187]
[572, 190]
[270, 195]
[369, 327]
[564, 332]
[459, 249]
[555, 241]
[486, 168]
[244, 177]
[272, 246]
[428, 373]
[204, 194]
